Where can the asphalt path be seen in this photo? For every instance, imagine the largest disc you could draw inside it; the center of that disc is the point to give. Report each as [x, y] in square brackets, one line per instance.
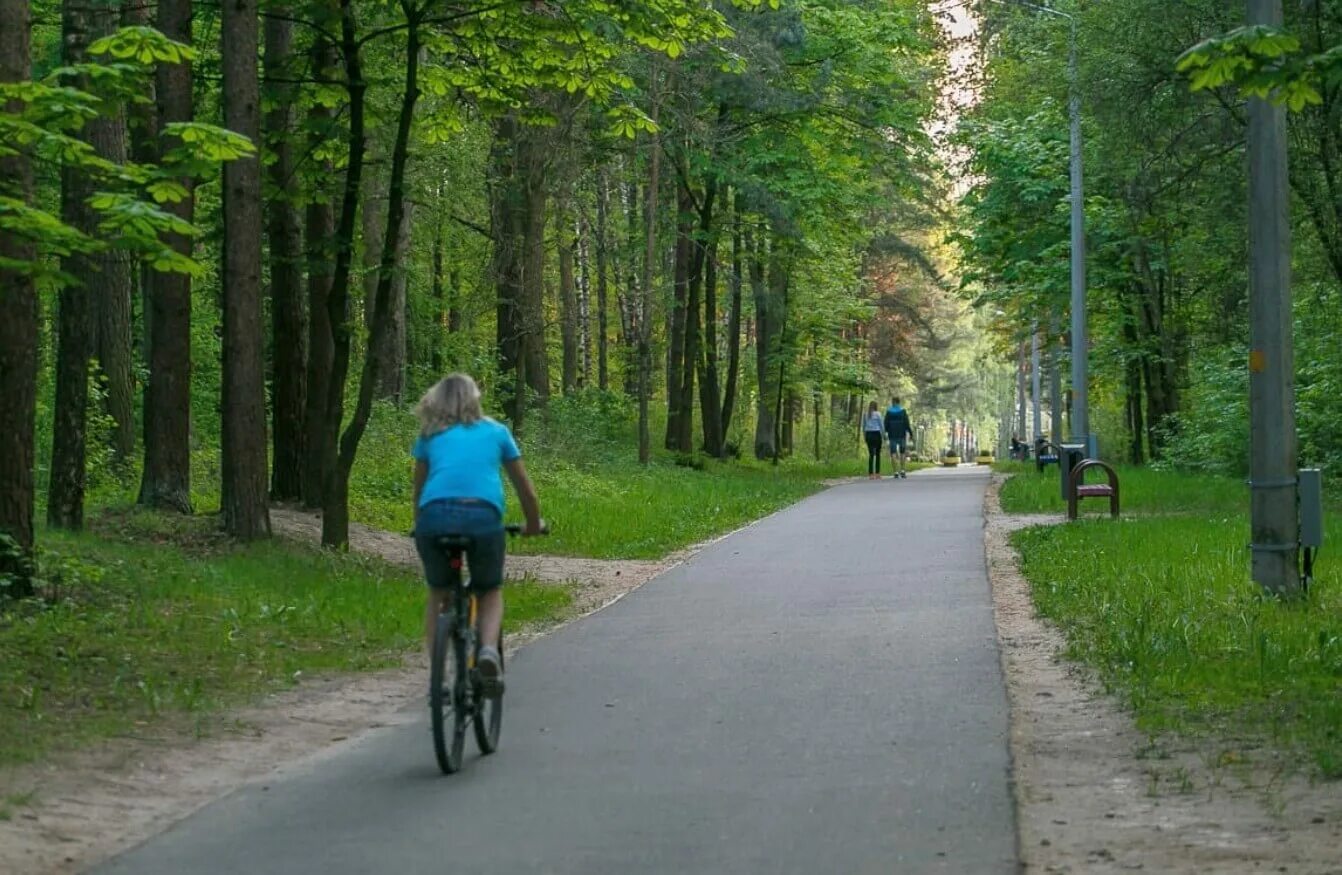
[818, 693]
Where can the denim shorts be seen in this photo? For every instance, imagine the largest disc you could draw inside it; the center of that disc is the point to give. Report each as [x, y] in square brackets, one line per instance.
[477, 520]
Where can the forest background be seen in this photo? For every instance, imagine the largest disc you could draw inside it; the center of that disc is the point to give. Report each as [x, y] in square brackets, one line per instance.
[240, 240]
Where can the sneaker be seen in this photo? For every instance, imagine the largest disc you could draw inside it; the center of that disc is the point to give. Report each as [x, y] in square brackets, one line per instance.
[903, 475]
[490, 666]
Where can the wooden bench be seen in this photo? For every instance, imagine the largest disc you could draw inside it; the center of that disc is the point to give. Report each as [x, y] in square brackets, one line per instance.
[1077, 488]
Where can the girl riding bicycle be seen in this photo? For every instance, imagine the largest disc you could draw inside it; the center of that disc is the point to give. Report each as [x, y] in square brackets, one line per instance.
[458, 491]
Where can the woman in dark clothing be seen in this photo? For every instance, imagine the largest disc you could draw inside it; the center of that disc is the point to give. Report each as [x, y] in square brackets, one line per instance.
[872, 428]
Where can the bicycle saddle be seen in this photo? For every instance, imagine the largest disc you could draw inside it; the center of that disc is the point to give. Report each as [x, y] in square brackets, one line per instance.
[454, 542]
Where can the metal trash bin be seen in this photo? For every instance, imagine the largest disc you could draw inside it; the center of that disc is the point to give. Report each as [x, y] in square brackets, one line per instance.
[1069, 456]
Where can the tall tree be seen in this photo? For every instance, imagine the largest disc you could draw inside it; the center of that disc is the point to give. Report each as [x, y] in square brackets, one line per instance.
[335, 500]
[602, 306]
[568, 300]
[710, 399]
[335, 510]
[113, 270]
[733, 328]
[65, 493]
[166, 481]
[319, 232]
[18, 334]
[288, 348]
[244, 494]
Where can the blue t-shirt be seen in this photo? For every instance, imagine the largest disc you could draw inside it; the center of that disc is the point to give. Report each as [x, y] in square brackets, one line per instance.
[464, 462]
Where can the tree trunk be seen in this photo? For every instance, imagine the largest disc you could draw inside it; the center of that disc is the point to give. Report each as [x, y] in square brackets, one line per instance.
[698, 250]
[142, 129]
[18, 337]
[288, 354]
[438, 291]
[391, 374]
[629, 303]
[65, 490]
[318, 233]
[112, 282]
[583, 231]
[166, 481]
[335, 516]
[817, 402]
[602, 306]
[733, 328]
[244, 488]
[765, 321]
[680, 272]
[568, 304]
[710, 401]
[335, 489]
[645, 287]
[373, 221]
[506, 218]
[534, 167]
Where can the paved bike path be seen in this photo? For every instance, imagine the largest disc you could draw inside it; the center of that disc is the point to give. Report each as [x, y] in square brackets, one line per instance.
[818, 693]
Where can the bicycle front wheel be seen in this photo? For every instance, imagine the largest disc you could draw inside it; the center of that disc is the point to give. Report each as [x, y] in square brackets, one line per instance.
[489, 716]
[444, 695]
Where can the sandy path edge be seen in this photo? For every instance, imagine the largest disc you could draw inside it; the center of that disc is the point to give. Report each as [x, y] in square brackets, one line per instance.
[77, 809]
[1095, 795]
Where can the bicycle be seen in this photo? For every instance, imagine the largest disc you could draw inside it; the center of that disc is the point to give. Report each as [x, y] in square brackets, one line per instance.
[456, 686]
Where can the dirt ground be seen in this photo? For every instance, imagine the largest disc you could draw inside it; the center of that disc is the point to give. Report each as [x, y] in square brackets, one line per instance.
[1095, 795]
[68, 814]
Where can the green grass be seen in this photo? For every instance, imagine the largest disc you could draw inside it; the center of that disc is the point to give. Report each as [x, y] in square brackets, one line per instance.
[597, 499]
[1164, 609]
[163, 622]
[1142, 491]
[624, 510]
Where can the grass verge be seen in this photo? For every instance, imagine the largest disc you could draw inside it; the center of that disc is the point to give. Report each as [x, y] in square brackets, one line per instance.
[1164, 609]
[161, 620]
[1142, 491]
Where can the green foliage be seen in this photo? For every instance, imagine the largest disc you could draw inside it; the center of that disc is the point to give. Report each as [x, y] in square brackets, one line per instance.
[43, 120]
[1266, 62]
[1164, 609]
[159, 621]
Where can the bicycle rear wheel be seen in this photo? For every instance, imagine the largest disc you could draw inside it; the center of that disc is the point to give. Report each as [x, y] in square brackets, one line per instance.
[489, 716]
[445, 689]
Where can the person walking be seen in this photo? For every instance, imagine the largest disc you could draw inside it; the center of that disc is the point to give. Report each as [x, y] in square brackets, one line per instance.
[871, 430]
[898, 430]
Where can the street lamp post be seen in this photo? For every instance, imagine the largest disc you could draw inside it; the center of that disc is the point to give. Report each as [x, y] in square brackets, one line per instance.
[1080, 368]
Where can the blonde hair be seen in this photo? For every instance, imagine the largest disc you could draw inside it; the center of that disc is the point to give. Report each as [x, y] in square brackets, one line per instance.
[453, 400]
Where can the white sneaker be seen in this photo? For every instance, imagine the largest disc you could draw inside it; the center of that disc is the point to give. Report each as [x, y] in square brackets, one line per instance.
[490, 665]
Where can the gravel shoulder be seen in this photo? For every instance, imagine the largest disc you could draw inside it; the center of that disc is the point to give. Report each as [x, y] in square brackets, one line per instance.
[75, 810]
[1096, 795]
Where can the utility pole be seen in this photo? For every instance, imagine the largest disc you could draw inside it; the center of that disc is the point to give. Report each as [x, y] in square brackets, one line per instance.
[1020, 393]
[1080, 418]
[1080, 345]
[1272, 438]
[1055, 402]
[1035, 379]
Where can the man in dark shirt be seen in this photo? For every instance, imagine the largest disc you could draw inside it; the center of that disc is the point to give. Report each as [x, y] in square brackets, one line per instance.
[898, 430]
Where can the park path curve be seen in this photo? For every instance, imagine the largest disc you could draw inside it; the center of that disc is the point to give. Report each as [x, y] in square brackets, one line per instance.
[820, 692]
